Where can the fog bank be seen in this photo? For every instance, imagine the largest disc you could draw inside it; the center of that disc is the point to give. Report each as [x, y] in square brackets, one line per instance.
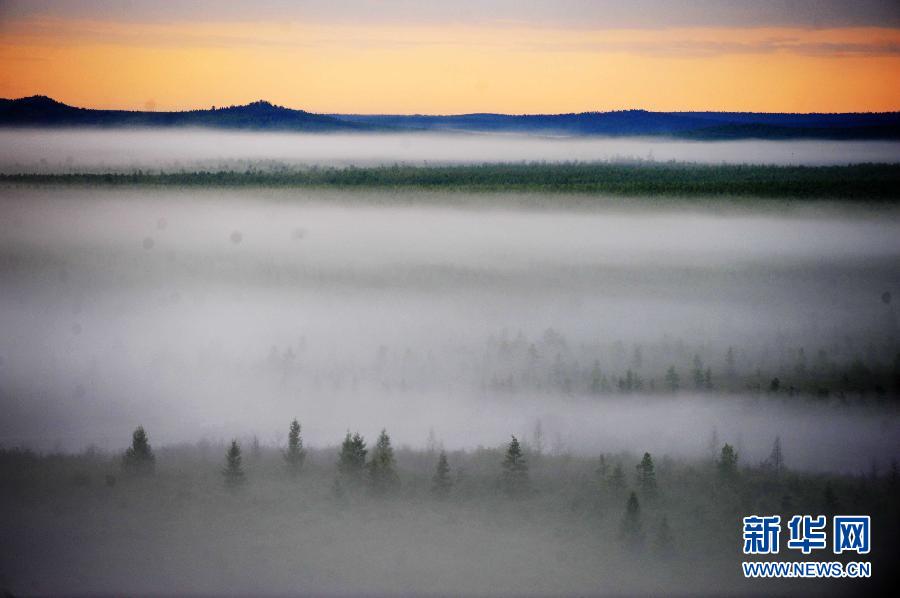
[54, 150]
[211, 314]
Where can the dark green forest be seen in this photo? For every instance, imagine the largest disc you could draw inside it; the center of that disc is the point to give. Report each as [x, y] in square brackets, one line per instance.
[864, 182]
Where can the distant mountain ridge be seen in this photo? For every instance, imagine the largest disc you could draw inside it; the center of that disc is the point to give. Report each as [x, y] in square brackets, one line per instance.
[691, 125]
[41, 111]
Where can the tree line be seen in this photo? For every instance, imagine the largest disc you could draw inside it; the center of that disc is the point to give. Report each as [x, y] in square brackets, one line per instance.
[856, 181]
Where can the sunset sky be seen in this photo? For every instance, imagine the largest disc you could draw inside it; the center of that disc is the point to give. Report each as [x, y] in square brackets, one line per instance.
[427, 56]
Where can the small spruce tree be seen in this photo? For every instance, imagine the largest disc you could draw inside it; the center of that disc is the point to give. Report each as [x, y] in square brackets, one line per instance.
[730, 370]
[233, 470]
[713, 445]
[646, 474]
[352, 460]
[514, 479]
[617, 477]
[295, 454]
[139, 457]
[727, 463]
[698, 373]
[673, 381]
[632, 533]
[441, 482]
[665, 542]
[382, 471]
[776, 458]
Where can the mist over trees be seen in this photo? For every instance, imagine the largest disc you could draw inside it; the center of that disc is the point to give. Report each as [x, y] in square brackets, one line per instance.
[295, 455]
[621, 521]
[233, 472]
[544, 390]
[139, 458]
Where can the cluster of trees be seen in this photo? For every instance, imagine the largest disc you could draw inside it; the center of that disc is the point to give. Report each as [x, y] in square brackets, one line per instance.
[356, 467]
[649, 505]
[551, 362]
[858, 181]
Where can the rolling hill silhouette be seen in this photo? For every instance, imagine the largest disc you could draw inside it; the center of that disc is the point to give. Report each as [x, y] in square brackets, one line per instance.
[41, 111]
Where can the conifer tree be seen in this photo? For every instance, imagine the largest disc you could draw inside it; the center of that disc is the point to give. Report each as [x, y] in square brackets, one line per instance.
[672, 379]
[632, 529]
[441, 482]
[698, 373]
[233, 471]
[713, 444]
[352, 460]
[255, 449]
[729, 364]
[596, 379]
[139, 457]
[537, 439]
[295, 455]
[646, 476]
[665, 542]
[727, 463]
[514, 479]
[617, 477]
[776, 458]
[382, 473]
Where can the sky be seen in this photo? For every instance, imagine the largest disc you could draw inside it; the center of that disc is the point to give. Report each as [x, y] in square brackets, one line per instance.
[438, 57]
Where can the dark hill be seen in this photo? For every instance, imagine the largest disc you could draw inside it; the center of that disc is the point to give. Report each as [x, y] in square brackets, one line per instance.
[40, 111]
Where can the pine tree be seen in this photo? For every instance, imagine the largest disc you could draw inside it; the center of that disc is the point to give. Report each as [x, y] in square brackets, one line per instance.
[698, 373]
[255, 449]
[672, 379]
[665, 542]
[729, 364]
[776, 459]
[139, 457]
[727, 464]
[441, 482]
[646, 476]
[352, 460]
[632, 529]
[537, 439]
[514, 479]
[382, 473]
[233, 471]
[713, 444]
[295, 455]
[431, 444]
[617, 477]
[596, 379]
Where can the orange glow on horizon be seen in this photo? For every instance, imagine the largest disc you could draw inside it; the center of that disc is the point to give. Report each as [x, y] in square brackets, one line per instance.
[451, 69]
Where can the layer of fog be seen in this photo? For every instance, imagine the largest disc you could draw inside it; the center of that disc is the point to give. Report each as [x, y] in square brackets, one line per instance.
[57, 150]
[220, 313]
